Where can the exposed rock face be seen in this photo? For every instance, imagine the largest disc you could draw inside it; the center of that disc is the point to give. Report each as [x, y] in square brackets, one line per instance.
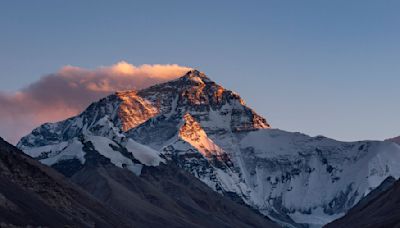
[133, 110]
[208, 131]
[206, 101]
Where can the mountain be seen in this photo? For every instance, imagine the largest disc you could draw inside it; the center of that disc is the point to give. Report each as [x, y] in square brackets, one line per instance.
[204, 129]
[32, 194]
[381, 209]
[164, 196]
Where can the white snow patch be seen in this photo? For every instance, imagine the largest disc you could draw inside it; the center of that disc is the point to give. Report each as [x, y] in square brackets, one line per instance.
[73, 150]
[317, 218]
[144, 154]
[50, 149]
[102, 145]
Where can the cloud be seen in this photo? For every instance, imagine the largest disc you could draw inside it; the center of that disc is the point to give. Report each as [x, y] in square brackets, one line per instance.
[70, 90]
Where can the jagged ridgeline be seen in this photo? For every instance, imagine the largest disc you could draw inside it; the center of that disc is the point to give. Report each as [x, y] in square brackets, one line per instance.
[204, 129]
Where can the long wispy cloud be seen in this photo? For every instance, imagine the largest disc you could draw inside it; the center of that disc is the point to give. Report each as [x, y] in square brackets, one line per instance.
[70, 90]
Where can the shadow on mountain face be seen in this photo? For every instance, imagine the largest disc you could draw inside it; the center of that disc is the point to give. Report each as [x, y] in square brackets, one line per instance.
[164, 196]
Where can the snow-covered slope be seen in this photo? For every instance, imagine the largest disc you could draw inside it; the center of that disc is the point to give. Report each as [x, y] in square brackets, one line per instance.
[312, 180]
[207, 130]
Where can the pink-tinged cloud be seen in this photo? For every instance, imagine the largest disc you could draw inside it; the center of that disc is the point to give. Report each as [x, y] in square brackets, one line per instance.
[70, 90]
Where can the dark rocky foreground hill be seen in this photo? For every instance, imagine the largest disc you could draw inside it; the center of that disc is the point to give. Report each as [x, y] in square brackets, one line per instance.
[34, 194]
[381, 208]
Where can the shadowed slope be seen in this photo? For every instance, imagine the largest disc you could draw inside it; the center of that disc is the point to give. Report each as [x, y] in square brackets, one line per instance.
[33, 194]
[381, 209]
[164, 196]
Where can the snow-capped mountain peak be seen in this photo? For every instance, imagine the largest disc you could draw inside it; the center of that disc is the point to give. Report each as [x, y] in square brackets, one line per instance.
[195, 76]
[208, 131]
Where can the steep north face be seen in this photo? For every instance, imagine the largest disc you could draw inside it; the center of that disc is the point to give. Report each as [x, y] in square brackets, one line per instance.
[208, 131]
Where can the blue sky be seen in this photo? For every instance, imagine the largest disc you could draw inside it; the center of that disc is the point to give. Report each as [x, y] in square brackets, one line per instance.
[318, 67]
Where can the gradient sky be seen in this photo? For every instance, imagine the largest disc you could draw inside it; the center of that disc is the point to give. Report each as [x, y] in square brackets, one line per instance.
[318, 67]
